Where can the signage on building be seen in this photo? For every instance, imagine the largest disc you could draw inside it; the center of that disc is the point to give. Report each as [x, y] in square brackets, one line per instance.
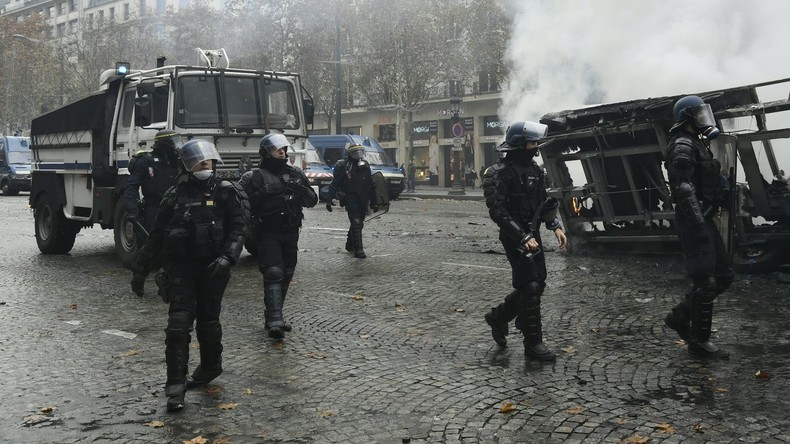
[467, 124]
[493, 125]
[424, 130]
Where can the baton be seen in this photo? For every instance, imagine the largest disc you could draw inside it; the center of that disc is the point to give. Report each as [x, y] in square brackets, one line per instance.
[137, 222]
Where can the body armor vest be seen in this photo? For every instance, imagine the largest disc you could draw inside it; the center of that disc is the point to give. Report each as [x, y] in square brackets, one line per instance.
[357, 178]
[707, 171]
[525, 189]
[196, 228]
[279, 206]
[160, 175]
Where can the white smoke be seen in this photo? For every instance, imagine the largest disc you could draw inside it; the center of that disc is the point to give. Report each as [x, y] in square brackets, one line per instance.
[565, 54]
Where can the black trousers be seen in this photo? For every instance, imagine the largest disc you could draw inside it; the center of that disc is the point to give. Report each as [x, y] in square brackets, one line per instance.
[705, 253]
[278, 249]
[191, 290]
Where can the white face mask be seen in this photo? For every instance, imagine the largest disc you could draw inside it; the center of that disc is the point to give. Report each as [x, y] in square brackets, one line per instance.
[203, 174]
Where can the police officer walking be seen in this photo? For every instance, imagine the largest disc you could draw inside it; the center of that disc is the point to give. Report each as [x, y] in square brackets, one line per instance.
[697, 191]
[517, 201]
[353, 185]
[277, 193]
[154, 172]
[199, 231]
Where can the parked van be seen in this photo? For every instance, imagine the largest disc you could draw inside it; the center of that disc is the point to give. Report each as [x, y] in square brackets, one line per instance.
[333, 148]
[318, 173]
[14, 165]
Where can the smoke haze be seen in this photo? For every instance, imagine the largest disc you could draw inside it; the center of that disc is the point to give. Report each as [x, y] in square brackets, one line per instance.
[566, 54]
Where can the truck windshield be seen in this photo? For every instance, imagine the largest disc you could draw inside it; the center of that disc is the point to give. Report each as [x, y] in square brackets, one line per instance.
[18, 151]
[245, 99]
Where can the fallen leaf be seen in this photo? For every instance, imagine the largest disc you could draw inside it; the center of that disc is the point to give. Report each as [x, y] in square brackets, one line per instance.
[680, 343]
[575, 411]
[697, 426]
[316, 355]
[459, 310]
[720, 390]
[73, 306]
[364, 336]
[413, 333]
[326, 413]
[507, 407]
[213, 390]
[620, 421]
[47, 410]
[635, 439]
[221, 441]
[131, 353]
[195, 346]
[398, 305]
[665, 428]
[155, 424]
[278, 345]
[763, 375]
[595, 329]
[196, 440]
[357, 297]
[248, 391]
[227, 406]
[569, 349]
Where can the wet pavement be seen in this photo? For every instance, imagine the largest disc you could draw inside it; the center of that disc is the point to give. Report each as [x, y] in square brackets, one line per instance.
[389, 349]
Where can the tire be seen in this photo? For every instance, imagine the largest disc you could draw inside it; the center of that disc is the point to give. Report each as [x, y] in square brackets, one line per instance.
[758, 258]
[7, 190]
[126, 245]
[54, 233]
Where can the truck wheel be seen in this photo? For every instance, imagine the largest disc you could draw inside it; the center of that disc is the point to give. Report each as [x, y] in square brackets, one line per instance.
[759, 258]
[7, 190]
[126, 245]
[54, 233]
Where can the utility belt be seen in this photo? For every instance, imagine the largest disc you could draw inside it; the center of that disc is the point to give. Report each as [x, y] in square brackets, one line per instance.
[199, 240]
[286, 216]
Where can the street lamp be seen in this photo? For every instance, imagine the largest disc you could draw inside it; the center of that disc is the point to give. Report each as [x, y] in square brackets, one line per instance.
[457, 188]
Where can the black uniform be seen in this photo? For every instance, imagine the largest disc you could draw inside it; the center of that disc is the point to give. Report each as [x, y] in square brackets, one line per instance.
[154, 172]
[353, 186]
[696, 181]
[514, 191]
[199, 224]
[277, 193]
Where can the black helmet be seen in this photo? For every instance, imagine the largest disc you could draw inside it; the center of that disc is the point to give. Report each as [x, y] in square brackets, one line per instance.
[271, 143]
[694, 109]
[519, 133]
[168, 140]
[196, 151]
[355, 151]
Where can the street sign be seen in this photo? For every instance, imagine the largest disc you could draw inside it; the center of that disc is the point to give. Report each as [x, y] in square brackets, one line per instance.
[457, 145]
[458, 130]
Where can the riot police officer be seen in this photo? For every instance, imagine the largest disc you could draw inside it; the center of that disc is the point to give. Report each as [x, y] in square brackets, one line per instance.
[200, 231]
[697, 188]
[517, 201]
[353, 185]
[277, 192]
[154, 172]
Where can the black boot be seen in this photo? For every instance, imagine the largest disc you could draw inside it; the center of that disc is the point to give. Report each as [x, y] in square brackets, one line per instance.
[533, 330]
[499, 317]
[177, 359]
[701, 323]
[680, 317]
[286, 283]
[356, 232]
[273, 299]
[350, 241]
[209, 335]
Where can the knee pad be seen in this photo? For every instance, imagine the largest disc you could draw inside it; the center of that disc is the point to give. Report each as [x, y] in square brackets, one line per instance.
[531, 293]
[273, 275]
[357, 223]
[181, 321]
[707, 289]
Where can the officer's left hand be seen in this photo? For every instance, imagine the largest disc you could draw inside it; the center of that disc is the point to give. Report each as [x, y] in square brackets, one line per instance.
[138, 284]
[219, 268]
[561, 237]
[375, 208]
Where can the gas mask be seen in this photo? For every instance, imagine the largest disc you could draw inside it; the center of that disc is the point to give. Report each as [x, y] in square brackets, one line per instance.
[702, 116]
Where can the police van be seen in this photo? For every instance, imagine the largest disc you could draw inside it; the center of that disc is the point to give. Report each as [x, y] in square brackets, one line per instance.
[14, 165]
[333, 148]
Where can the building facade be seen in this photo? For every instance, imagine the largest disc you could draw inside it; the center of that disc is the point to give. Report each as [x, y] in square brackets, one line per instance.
[432, 135]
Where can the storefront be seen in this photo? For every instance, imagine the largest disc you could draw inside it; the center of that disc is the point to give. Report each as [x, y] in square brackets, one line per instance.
[425, 139]
[464, 132]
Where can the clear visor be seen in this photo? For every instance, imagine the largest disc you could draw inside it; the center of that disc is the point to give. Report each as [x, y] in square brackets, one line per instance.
[535, 131]
[178, 142]
[195, 153]
[275, 142]
[702, 115]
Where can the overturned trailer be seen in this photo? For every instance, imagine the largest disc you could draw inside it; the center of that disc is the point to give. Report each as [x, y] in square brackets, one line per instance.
[623, 199]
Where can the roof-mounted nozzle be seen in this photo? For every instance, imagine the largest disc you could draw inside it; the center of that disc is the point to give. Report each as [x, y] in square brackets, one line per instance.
[212, 58]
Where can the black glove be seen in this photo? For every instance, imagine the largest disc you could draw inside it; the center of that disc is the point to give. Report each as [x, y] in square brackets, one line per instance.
[330, 204]
[375, 208]
[138, 284]
[219, 268]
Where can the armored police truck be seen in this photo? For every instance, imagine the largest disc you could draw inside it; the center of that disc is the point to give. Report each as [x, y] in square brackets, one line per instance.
[81, 151]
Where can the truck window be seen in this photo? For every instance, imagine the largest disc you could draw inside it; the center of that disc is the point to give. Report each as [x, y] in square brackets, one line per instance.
[159, 104]
[197, 101]
[18, 151]
[243, 108]
[127, 108]
[280, 102]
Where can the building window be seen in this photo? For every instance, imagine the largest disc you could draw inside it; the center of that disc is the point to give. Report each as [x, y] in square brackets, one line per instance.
[112, 14]
[160, 6]
[75, 5]
[142, 8]
[387, 133]
[126, 11]
[73, 26]
[51, 11]
[101, 18]
[61, 29]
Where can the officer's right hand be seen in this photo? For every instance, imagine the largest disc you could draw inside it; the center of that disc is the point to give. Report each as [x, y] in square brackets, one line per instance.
[532, 244]
[138, 284]
[330, 204]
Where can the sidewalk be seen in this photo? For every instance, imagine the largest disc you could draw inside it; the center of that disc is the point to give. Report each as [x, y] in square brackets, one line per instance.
[429, 192]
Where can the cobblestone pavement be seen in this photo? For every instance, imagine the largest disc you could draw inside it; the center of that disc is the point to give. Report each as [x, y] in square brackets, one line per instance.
[392, 348]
